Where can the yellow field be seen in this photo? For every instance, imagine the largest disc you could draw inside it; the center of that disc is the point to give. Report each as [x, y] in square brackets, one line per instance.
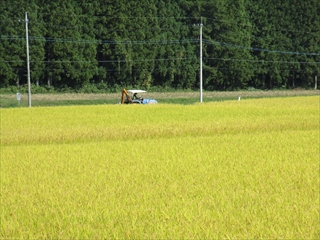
[235, 169]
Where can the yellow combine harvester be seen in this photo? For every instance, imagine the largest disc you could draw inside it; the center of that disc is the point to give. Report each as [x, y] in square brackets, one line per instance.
[134, 97]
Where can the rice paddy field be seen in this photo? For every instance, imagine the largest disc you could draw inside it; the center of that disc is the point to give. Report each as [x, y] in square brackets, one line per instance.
[244, 169]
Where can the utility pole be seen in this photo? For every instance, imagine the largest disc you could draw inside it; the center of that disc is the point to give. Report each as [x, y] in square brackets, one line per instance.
[201, 61]
[28, 60]
[26, 20]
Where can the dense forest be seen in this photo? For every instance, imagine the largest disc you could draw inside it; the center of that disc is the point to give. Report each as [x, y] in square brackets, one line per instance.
[156, 43]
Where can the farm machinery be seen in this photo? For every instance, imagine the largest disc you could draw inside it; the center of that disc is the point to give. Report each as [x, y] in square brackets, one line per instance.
[134, 97]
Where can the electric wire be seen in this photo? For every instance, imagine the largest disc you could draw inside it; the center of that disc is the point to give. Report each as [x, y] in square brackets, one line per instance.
[152, 42]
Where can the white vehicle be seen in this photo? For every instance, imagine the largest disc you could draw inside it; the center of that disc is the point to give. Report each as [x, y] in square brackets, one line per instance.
[134, 97]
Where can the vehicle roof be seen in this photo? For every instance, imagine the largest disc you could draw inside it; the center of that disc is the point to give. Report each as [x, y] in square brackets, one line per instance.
[136, 91]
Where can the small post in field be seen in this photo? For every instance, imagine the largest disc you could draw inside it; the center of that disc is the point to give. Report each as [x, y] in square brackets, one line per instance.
[315, 82]
[18, 98]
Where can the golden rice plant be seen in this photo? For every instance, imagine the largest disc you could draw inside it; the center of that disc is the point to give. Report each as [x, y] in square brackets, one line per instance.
[234, 169]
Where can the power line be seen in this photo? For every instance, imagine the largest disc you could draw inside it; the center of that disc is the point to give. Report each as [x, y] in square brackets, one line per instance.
[260, 61]
[164, 59]
[253, 25]
[232, 23]
[152, 42]
[104, 61]
[84, 41]
[114, 30]
[147, 69]
[259, 49]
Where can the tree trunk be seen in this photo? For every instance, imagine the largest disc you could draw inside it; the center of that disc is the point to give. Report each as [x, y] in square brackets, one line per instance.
[18, 80]
[49, 82]
[293, 81]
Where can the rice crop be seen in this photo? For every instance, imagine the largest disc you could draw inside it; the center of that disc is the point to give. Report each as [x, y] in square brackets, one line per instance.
[234, 169]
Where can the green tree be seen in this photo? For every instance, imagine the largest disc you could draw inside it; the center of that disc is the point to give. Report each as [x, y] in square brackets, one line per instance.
[70, 44]
[284, 32]
[228, 55]
[12, 45]
[178, 62]
[246, 43]
[304, 30]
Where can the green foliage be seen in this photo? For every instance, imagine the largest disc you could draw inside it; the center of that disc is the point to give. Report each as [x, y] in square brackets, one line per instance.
[155, 44]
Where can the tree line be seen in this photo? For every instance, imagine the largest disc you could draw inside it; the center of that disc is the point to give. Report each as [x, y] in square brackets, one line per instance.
[156, 43]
